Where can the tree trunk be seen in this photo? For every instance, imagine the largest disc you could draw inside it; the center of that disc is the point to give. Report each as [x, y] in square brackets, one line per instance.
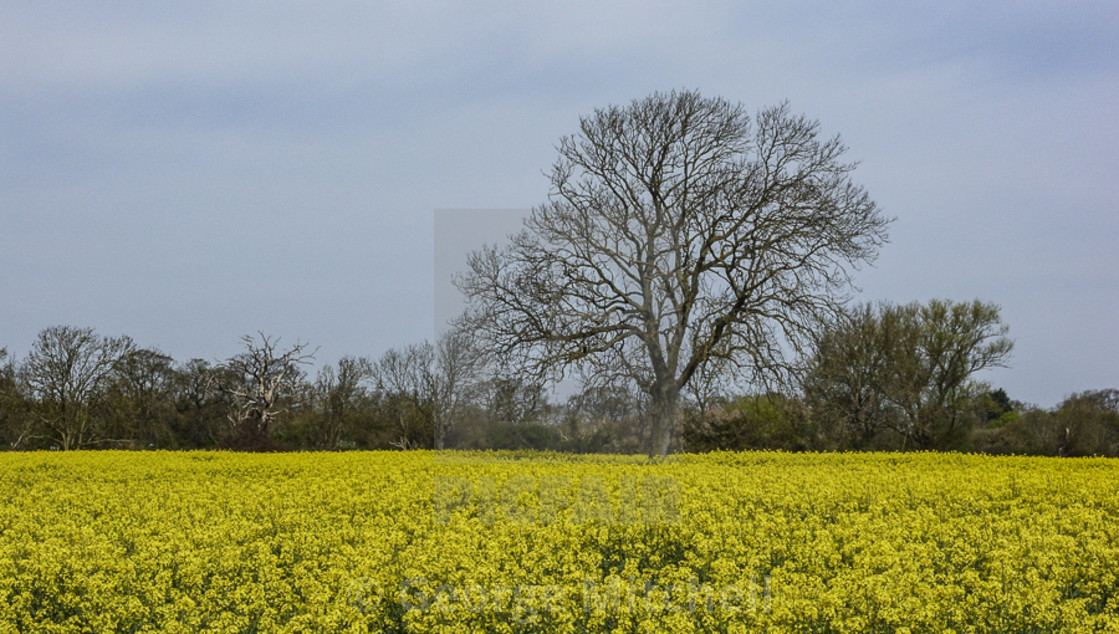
[665, 407]
[440, 433]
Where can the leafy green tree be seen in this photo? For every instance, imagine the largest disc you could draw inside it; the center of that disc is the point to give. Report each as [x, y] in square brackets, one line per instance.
[907, 369]
[1087, 424]
[1084, 424]
[996, 408]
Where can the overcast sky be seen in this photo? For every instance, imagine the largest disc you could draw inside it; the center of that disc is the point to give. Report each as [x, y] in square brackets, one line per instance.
[187, 173]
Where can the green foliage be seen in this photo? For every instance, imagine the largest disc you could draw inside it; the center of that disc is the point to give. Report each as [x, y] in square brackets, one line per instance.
[1084, 424]
[908, 369]
[1088, 424]
[1004, 419]
[765, 421]
[995, 404]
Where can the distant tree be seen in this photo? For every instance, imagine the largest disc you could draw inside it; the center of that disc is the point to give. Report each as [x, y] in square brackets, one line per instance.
[710, 387]
[517, 436]
[908, 369]
[257, 382]
[340, 401]
[677, 232]
[605, 403]
[202, 408]
[403, 378]
[1084, 424]
[606, 418]
[759, 421]
[141, 397]
[848, 375]
[1087, 423]
[67, 372]
[437, 381]
[16, 424]
[999, 403]
[950, 343]
[454, 381]
[513, 400]
[996, 408]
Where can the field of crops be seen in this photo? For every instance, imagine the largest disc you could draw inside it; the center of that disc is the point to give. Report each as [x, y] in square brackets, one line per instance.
[426, 542]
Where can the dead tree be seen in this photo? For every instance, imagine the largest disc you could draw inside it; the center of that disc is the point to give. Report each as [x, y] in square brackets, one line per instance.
[257, 381]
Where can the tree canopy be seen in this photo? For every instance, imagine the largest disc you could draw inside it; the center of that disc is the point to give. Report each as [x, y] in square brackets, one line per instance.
[907, 368]
[678, 232]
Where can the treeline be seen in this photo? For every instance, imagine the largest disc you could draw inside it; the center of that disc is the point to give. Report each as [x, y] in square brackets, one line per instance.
[1084, 424]
[77, 389]
[891, 377]
[882, 378]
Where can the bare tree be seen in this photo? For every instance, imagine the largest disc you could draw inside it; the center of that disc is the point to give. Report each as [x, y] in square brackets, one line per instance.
[512, 399]
[437, 380]
[340, 391]
[257, 380]
[67, 370]
[678, 232]
[402, 377]
[454, 382]
[143, 401]
[200, 405]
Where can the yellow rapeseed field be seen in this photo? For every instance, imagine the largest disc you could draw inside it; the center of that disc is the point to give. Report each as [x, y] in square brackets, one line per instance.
[507, 542]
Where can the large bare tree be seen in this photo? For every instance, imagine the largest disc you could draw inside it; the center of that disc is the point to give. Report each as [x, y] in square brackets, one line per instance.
[678, 231]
